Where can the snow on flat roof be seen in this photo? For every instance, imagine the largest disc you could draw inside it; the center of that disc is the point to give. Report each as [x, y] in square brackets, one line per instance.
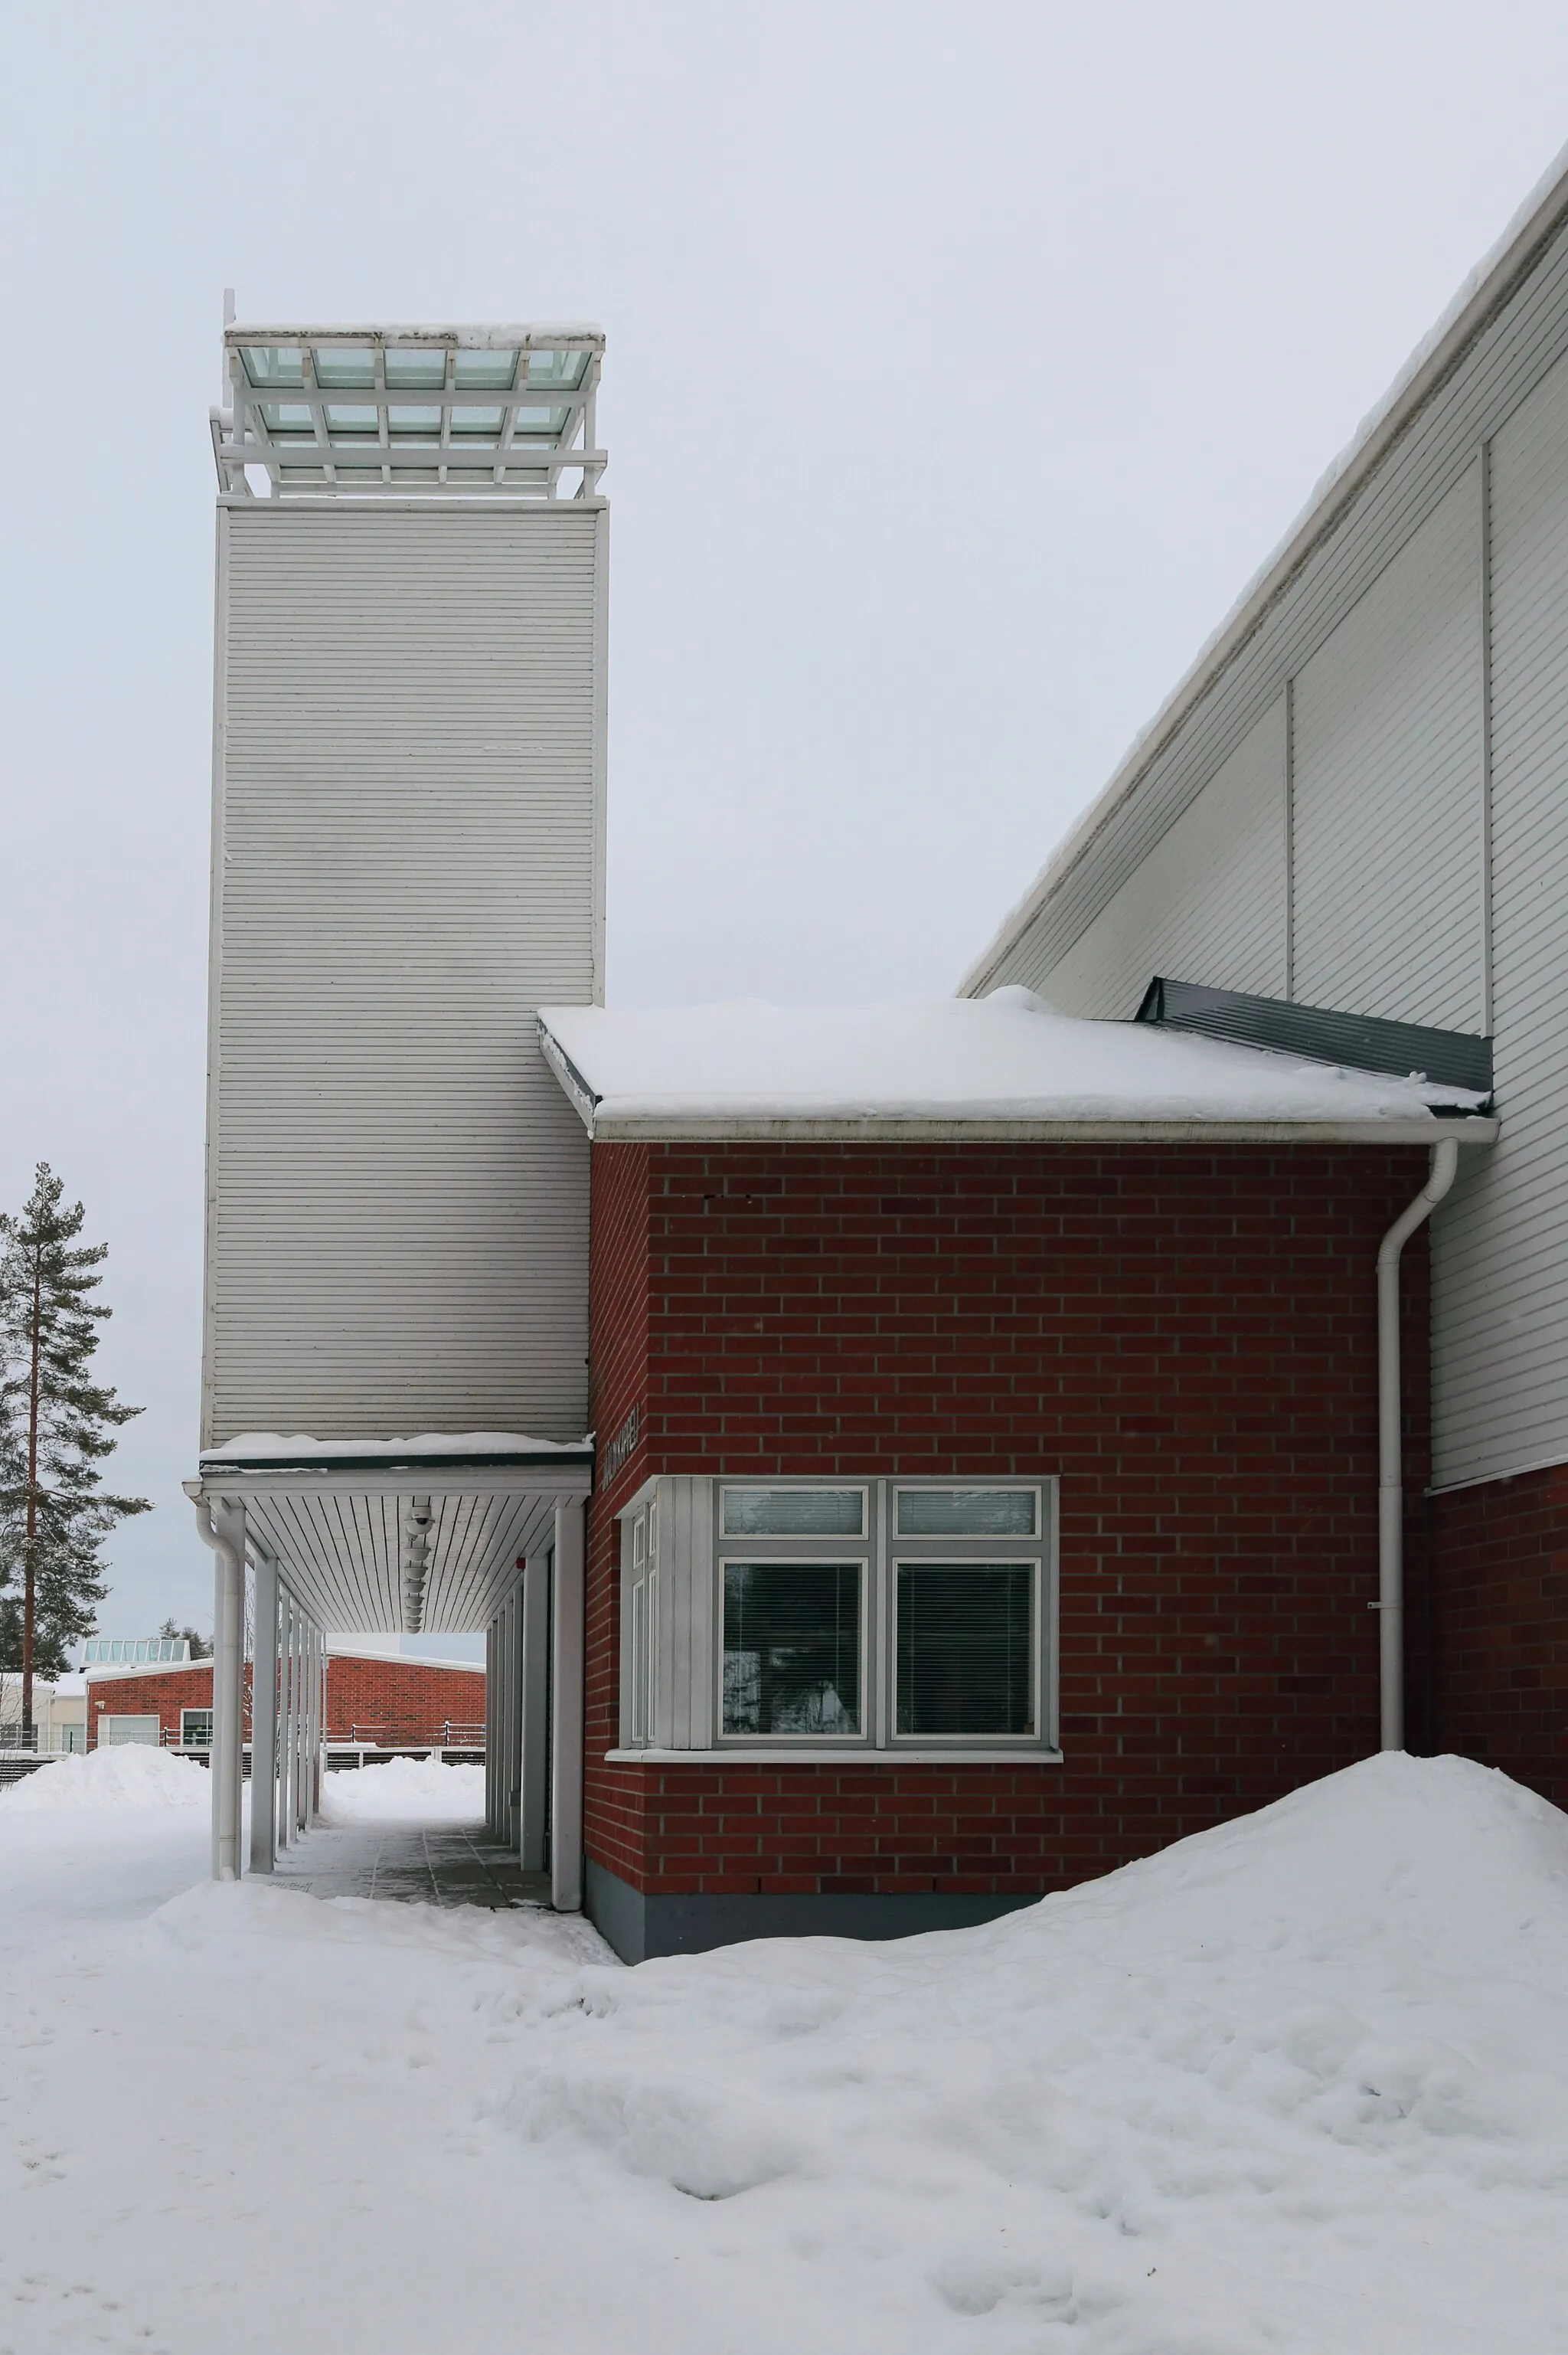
[1009, 1057]
[444, 1446]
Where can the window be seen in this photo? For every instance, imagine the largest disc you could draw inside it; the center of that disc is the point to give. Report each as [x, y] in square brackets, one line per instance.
[195, 1728]
[832, 1617]
[112, 1729]
[791, 1648]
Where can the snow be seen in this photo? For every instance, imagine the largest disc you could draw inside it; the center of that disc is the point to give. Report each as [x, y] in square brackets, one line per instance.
[126, 1775]
[405, 1789]
[262, 1447]
[1296, 2084]
[1006, 1057]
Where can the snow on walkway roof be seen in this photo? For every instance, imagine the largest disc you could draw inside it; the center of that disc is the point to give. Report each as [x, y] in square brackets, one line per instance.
[1006, 1064]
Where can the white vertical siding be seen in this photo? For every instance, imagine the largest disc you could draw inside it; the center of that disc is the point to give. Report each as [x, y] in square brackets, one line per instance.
[408, 846]
[1208, 901]
[1388, 883]
[1500, 1266]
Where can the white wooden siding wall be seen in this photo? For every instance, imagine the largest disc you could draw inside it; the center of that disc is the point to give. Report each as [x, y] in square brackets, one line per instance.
[409, 860]
[1500, 1264]
[1208, 903]
[1388, 884]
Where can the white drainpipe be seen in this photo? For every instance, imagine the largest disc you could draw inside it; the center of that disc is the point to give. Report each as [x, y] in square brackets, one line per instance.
[1390, 1604]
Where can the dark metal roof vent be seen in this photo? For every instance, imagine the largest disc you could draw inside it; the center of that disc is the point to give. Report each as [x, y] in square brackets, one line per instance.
[1451, 1058]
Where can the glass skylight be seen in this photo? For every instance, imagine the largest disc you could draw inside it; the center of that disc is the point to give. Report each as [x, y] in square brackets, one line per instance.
[454, 406]
[274, 364]
[413, 369]
[485, 371]
[344, 368]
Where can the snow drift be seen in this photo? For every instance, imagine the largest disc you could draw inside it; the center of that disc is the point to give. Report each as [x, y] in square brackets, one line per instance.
[1299, 2081]
[131, 1775]
[408, 1788]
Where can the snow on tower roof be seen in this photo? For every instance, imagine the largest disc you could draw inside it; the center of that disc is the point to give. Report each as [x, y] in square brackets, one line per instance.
[1008, 1064]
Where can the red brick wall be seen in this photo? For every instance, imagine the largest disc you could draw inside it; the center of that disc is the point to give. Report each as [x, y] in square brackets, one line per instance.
[1185, 1335]
[1488, 1626]
[390, 1701]
[400, 1701]
[163, 1694]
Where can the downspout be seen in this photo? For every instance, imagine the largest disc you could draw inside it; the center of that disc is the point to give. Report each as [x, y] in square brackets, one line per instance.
[228, 1680]
[1389, 1603]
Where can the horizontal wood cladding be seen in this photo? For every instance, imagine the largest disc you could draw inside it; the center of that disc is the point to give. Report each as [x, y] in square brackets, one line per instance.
[1501, 368]
[409, 862]
[1388, 822]
[1501, 1297]
[1208, 903]
[1186, 1337]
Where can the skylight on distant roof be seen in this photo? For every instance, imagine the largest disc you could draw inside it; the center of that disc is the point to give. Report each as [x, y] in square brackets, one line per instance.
[325, 412]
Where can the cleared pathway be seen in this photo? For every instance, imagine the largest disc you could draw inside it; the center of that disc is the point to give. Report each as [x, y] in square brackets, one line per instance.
[412, 1863]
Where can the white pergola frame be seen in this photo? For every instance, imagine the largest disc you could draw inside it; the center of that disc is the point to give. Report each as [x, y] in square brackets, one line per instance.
[516, 459]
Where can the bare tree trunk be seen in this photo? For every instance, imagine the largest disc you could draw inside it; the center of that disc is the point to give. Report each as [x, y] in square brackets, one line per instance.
[29, 1570]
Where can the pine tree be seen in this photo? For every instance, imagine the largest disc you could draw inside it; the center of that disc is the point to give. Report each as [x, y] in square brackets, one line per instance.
[56, 1425]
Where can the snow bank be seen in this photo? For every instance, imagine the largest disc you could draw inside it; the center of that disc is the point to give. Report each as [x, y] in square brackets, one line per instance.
[130, 1774]
[407, 1788]
[1007, 1057]
[1299, 2081]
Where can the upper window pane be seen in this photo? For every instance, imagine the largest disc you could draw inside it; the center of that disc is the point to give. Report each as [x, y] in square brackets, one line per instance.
[414, 369]
[267, 364]
[791, 1648]
[966, 1513]
[965, 1649]
[485, 371]
[287, 417]
[345, 367]
[794, 1513]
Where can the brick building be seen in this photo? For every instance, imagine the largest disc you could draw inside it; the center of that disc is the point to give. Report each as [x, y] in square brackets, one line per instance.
[372, 1702]
[1059, 1453]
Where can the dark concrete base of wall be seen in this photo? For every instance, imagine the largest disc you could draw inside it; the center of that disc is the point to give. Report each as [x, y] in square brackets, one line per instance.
[640, 1927]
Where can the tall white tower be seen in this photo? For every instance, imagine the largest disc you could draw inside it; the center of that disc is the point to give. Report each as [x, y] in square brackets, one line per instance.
[407, 858]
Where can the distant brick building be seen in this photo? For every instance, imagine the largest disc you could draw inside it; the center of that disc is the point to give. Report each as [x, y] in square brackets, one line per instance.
[370, 1700]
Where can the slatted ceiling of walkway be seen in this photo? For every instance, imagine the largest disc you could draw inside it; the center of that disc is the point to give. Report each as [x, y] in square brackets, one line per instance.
[1501, 368]
[342, 1552]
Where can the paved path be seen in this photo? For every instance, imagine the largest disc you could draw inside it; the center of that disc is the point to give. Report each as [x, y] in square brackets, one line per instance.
[417, 1863]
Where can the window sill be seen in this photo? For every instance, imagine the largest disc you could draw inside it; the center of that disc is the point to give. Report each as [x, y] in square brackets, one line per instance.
[766, 1757]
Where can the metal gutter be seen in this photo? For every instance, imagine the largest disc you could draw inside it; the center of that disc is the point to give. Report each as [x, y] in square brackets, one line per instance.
[717, 1128]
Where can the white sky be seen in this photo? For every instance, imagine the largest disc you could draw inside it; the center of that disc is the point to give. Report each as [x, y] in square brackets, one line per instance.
[963, 362]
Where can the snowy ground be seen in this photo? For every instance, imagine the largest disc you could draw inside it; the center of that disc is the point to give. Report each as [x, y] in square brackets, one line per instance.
[1300, 2085]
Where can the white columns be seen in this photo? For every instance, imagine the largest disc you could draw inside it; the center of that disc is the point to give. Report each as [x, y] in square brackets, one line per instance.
[533, 1820]
[228, 1752]
[567, 1712]
[264, 1721]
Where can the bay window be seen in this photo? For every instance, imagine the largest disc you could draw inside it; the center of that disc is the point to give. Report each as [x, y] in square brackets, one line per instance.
[871, 1618]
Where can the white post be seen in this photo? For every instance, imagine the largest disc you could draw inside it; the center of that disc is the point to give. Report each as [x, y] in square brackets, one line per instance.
[286, 1761]
[534, 1826]
[228, 1756]
[567, 1712]
[264, 1721]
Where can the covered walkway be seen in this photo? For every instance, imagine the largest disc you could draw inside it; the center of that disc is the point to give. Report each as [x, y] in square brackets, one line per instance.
[417, 1862]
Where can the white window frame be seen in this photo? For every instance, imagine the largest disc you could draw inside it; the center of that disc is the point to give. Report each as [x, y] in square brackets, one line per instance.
[186, 1716]
[683, 1715]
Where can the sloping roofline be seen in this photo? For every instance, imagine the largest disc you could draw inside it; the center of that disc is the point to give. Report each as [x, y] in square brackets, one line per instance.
[1488, 287]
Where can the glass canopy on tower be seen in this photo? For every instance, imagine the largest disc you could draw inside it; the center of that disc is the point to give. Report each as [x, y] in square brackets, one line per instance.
[329, 412]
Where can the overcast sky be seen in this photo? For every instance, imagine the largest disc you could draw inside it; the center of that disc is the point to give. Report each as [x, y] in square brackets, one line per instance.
[963, 362]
